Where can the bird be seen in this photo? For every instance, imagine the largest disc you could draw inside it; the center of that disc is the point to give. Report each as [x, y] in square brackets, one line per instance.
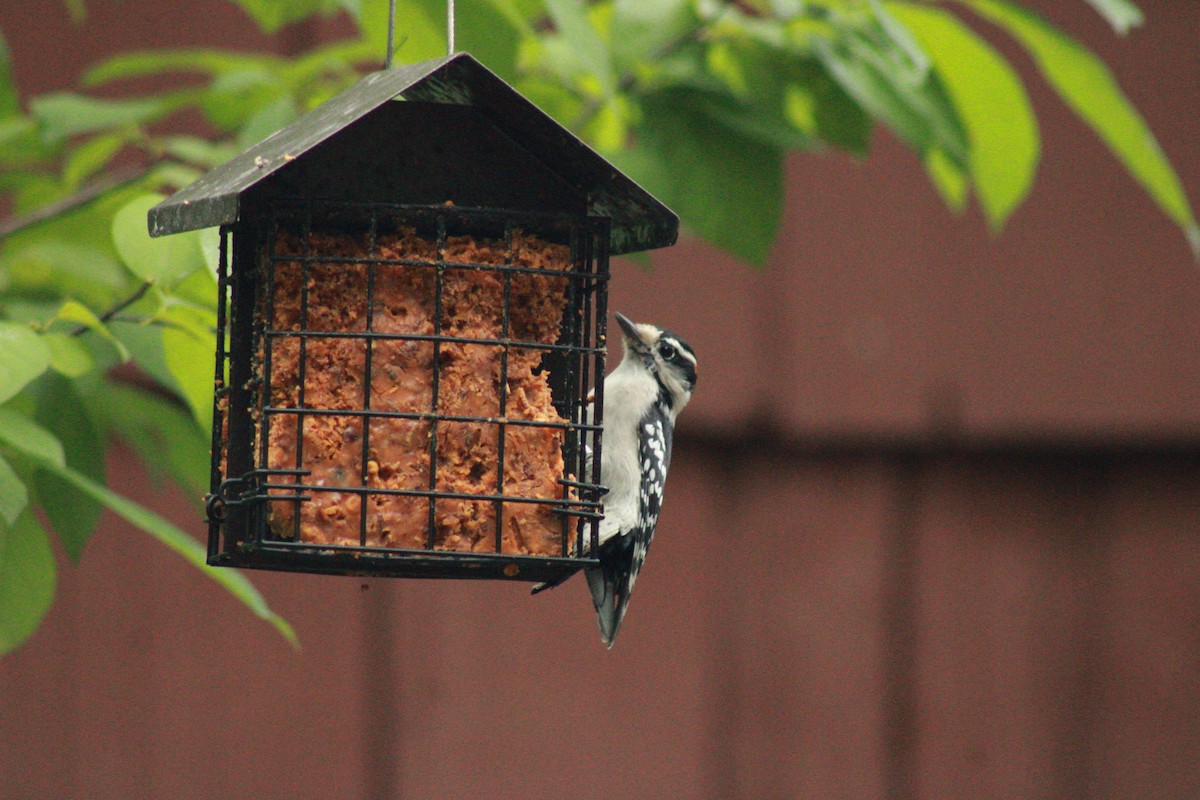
[643, 397]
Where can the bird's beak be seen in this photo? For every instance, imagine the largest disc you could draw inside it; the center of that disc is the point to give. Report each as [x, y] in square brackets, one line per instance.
[634, 343]
[628, 326]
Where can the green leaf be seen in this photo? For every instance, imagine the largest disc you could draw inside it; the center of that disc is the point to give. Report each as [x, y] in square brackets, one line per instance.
[990, 102]
[893, 90]
[189, 344]
[266, 121]
[155, 62]
[488, 30]
[72, 514]
[23, 357]
[177, 176]
[726, 187]
[192, 551]
[948, 179]
[10, 103]
[28, 438]
[608, 129]
[419, 33]
[200, 288]
[27, 580]
[165, 260]
[73, 311]
[21, 145]
[145, 342]
[68, 355]
[271, 15]
[235, 96]
[768, 128]
[77, 9]
[352, 7]
[901, 38]
[587, 48]
[200, 152]
[1121, 14]
[164, 434]
[785, 102]
[1087, 86]
[66, 114]
[840, 121]
[90, 157]
[13, 494]
[53, 264]
[642, 28]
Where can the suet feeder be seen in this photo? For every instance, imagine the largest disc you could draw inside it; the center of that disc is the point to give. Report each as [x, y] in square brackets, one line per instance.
[411, 321]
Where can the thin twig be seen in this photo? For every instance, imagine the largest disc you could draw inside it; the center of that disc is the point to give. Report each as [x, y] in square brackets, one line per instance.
[161, 323]
[85, 195]
[118, 308]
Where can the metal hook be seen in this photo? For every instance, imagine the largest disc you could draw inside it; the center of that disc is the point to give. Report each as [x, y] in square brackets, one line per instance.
[391, 34]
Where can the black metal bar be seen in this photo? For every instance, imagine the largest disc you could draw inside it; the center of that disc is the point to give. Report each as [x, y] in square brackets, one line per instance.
[425, 337]
[378, 562]
[570, 388]
[265, 321]
[578, 485]
[440, 495]
[217, 451]
[502, 430]
[583, 410]
[244, 290]
[260, 472]
[600, 244]
[364, 501]
[439, 277]
[409, 210]
[418, 263]
[302, 367]
[425, 415]
[443, 555]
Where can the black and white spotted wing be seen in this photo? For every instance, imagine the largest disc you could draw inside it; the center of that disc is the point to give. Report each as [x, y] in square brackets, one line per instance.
[622, 556]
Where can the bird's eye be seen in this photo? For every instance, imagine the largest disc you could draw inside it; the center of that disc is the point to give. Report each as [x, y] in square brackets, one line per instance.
[666, 351]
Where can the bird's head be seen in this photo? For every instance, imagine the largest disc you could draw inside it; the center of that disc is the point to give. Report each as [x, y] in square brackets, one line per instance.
[664, 355]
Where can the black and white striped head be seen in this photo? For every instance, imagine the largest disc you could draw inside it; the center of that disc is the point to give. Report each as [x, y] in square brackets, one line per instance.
[667, 357]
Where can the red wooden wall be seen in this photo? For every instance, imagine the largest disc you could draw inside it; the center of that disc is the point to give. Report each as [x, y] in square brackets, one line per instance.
[933, 528]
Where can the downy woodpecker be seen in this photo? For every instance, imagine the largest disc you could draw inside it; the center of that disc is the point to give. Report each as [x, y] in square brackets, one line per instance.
[642, 398]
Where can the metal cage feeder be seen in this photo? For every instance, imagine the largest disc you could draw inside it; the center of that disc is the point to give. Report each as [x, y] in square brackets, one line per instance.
[412, 300]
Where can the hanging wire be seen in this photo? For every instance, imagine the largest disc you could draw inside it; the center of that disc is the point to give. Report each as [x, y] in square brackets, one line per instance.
[391, 38]
[391, 34]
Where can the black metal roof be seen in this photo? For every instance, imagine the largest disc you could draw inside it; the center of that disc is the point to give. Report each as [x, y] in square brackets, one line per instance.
[639, 221]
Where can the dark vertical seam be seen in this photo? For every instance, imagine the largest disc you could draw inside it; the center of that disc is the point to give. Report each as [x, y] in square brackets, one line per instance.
[1089, 554]
[898, 614]
[381, 698]
[725, 645]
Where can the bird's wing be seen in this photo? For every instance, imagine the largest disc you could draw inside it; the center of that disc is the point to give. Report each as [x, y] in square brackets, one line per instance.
[622, 556]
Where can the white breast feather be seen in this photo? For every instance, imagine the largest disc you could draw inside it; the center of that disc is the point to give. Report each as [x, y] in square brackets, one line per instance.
[627, 390]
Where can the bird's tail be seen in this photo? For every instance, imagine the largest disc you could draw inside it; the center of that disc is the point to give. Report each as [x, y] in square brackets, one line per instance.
[610, 606]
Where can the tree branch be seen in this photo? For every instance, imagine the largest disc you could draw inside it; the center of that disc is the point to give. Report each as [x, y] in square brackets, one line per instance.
[118, 308]
[85, 195]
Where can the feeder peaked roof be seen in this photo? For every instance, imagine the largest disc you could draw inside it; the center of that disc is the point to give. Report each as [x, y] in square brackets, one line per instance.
[639, 221]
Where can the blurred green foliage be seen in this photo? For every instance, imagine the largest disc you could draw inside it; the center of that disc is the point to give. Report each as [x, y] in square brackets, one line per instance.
[699, 100]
